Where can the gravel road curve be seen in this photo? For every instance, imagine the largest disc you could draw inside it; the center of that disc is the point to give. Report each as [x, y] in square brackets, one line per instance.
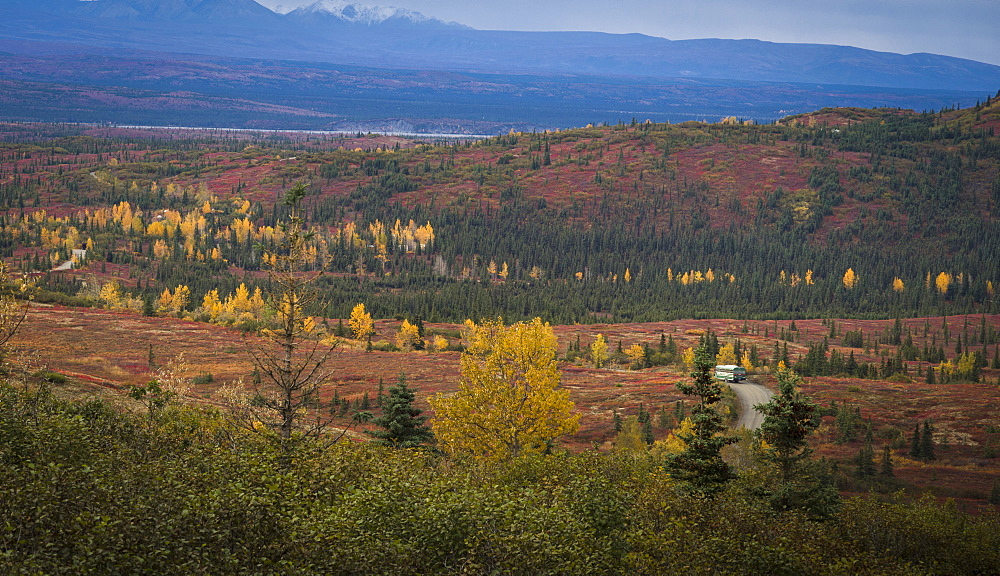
[750, 395]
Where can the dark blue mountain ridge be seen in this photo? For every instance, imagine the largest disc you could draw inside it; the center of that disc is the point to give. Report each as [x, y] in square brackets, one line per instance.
[244, 28]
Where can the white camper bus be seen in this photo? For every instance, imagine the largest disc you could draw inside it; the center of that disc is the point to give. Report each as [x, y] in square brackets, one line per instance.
[730, 373]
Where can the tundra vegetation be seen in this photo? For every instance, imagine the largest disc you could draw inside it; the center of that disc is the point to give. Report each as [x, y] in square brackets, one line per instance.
[842, 214]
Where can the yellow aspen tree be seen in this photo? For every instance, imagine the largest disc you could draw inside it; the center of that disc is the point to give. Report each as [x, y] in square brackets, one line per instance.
[535, 272]
[673, 444]
[509, 402]
[943, 281]
[382, 255]
[440, 343]
[630, 440]
[212, 305]
[424, 235]
[989, 288]
[361, 323]
[599, 351]
[160, 249]
[850, 279]
[628, 276]
[688, 357]
[809, 278]
[965, 366]
[257, 301]
[710, 275]
[726, 355]
[157, 228]
[407, 336]
[782, 278]
[636, 356]
[242, 228]
[670, 275]
[111, 294]
[165, 301]
[239, 302]
[172, 216]
[180, 298]
[746, 362]
[897, 285]
[504, 271]
[492, 269]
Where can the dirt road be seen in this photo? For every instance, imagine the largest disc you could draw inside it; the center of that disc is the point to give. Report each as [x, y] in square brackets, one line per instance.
[750, 395]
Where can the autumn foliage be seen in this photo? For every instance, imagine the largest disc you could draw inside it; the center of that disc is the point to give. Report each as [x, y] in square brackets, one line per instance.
[509, 401]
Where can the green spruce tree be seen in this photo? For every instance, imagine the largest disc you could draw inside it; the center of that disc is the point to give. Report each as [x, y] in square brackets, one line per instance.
[915, 443]
[798, 482]
[788, 421]
[866, 458]
[700, 467]
[401, 424]
[885, 468]
[927, 442]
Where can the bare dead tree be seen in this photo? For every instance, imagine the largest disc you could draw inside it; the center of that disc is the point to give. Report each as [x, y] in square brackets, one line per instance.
[291, 359]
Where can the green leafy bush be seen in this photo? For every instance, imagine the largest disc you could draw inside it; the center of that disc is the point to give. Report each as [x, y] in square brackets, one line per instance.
[89, 489]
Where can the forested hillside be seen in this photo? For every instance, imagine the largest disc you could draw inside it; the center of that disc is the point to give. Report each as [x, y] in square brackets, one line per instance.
[840, 213]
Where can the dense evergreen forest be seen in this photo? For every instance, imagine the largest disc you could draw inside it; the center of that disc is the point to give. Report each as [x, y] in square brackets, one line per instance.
[841, 213]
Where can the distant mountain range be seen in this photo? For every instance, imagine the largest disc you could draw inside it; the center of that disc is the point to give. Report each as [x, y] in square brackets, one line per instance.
[332, 33]
[347, 33]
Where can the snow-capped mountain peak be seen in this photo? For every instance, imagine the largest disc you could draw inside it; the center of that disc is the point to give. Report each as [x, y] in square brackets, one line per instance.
[353, 13]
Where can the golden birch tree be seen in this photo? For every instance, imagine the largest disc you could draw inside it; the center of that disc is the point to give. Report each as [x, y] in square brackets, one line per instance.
[361, 322]
[509, 400]
[850, 279]
[408, 336]
[746, 362]
[943, 281]
[599, 351]
[636, 356]
[726, 355]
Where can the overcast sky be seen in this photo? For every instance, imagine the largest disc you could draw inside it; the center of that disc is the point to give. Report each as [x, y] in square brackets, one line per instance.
[962, 28]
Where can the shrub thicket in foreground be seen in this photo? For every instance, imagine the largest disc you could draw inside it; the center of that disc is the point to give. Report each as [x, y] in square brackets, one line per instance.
[87, 489]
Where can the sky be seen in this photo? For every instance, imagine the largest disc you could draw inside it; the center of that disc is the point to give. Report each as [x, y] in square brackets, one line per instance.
[962, 28]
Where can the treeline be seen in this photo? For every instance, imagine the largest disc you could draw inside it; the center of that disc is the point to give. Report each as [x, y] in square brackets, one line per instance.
[642, 241]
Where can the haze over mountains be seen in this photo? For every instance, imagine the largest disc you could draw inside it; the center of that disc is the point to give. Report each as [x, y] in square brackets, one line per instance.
[762, 76]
